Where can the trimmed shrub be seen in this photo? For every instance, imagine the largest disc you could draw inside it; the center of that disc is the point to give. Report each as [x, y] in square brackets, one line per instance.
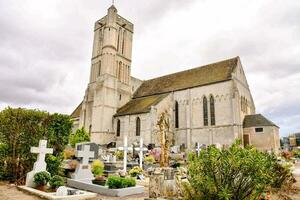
[56, 181]
[79, 136]
[54, 164]
[41, 178]
[115, 182]
[97, 168]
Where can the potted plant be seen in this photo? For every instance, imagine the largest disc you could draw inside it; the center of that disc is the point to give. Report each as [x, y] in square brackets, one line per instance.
[135, 171]
[115, 182]
[41, 179]
[99, 180]
[97, 170]
[56, 181]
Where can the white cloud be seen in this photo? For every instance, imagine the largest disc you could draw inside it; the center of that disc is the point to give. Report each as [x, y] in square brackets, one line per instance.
[45, 48]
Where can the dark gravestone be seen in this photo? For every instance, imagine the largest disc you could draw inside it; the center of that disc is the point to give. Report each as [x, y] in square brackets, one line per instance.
[93, 147]
[111, 145]
[150, 146]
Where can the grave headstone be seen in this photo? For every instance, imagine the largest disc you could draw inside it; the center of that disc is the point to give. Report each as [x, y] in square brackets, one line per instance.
[93, 147]
[125, 148]
[62, 191]
[141, 149]
[198, 149]
[175, 149]
[83, 169]
[40, 164]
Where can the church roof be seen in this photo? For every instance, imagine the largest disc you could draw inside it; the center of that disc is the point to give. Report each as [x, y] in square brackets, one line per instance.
[140, 105]
[200, 76]
[76, 112]
[257, 120]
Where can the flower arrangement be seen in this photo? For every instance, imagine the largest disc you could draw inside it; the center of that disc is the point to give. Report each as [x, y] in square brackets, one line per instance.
[41, 179]
[97, 168]
[135, 171]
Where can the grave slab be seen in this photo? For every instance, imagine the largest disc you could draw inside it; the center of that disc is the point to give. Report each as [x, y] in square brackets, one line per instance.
[52, 195]
[104, 190]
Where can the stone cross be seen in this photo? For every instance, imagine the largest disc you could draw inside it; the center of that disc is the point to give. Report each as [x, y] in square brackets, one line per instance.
[198, 149]
[83, 170]
[125, 148]
[40, 164]
[85, 154]
[141, 149]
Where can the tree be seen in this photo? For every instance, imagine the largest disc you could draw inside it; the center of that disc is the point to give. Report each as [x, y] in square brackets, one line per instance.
[20, 129]
[80, 136]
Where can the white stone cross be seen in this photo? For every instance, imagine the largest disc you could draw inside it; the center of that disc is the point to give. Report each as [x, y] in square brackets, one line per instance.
[85, 154]
[42, 150]
[83, 170]
[141, 149]
[40, 164]
[198, 149]
[125, 148]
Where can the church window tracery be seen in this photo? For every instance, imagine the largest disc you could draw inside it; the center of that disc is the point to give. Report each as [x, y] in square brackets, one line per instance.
[212, 111]
[205, 112]
[138, 127]
[176, 115]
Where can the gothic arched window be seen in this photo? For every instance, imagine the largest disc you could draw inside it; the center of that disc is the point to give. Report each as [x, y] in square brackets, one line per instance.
[176, 115]
[212, 111]
[205, 112]
[118, 128]
[120, 71]
[138, 127]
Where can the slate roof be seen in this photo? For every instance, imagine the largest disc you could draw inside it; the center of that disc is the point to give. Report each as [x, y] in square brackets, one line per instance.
[140, 105]
[76, 112]
[200, 76]
[257, 120]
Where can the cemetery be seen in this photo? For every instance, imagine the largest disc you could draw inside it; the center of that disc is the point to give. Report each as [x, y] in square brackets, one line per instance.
[86, 170]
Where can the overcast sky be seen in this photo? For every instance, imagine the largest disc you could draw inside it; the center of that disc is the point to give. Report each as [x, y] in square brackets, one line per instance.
[45, 48]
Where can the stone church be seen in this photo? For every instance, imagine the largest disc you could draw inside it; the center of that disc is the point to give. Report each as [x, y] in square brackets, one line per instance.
[210, 104]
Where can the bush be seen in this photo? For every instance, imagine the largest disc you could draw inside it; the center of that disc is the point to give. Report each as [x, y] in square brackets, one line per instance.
[234, 173]
[54, 164]
[135, 171]
[20, 129]
[97, 168]
[56, 181]
[119, 154]
[79, 136]
[115, 182]
[41, 178]
[69, 153]
[149, 159]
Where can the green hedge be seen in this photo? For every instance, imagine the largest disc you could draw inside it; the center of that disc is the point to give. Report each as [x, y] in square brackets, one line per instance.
[21, 129]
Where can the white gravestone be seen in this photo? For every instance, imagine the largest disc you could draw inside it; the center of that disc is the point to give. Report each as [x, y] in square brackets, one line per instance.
[141, 149]
[40, 164]
[62, 191]
[83, 169]
[198, 149]
[125, 148]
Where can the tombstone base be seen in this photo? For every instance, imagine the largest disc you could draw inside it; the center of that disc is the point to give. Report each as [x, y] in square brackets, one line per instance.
[29, 179]
[83, 172]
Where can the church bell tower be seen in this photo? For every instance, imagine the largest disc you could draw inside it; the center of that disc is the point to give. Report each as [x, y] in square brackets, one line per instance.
[109, 85]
